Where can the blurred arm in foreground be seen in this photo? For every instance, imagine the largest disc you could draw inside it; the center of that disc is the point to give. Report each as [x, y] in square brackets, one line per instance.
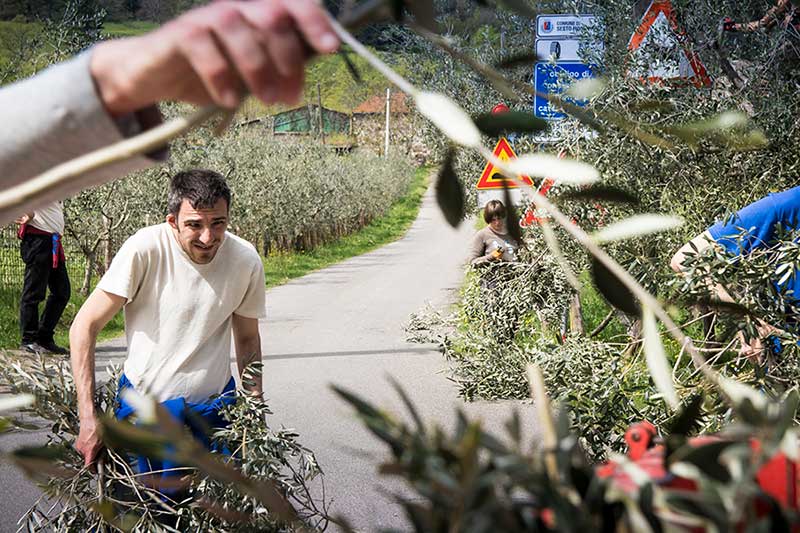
[212, 54]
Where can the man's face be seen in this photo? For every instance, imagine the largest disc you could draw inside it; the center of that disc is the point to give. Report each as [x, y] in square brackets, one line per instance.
[200, 231]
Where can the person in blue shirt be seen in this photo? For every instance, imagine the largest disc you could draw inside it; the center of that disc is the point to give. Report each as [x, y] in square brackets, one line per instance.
[753, 227]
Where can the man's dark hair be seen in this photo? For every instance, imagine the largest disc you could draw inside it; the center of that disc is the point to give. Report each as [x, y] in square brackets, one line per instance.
[494, 209]
[203, 189]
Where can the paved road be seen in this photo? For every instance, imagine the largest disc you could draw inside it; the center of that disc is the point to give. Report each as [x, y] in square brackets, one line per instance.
[344, 325]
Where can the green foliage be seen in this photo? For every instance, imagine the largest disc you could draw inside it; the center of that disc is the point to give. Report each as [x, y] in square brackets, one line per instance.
[9, 319]
[63, 31]
[338, 90]
[280, 267]
[468, 479]
[128, 28]
[755, 282]
[220, 493]
[286, 195]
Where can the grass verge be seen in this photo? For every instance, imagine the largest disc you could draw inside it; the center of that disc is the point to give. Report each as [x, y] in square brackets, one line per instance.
[128, 28]
[9, 320]
[284, 266]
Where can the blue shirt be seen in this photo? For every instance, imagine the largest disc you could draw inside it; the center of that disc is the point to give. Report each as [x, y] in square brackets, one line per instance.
[757, 226]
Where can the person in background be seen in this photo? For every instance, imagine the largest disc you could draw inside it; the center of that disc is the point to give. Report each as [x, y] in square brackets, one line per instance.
[42, 252]
[493, 243]
[759, 222]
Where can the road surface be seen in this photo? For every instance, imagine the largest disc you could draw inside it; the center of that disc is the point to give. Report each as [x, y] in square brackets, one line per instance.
[344, 325]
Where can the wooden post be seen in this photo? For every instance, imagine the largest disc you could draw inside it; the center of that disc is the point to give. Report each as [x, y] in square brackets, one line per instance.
[386, 137]
[576, 315]
[321, 122]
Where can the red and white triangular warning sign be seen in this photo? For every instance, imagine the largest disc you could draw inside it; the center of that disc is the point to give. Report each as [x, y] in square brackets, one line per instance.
[491, 178]
[661, 51]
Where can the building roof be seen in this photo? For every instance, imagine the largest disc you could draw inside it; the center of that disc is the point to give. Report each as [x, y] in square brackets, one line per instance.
[377, 104]
[305, 108]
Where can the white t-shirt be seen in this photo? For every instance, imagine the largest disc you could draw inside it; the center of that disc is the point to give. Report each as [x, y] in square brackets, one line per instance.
[49, 218]
[178, 313]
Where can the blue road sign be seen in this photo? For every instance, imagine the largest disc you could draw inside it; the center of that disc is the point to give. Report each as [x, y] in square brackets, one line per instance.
[554, 79]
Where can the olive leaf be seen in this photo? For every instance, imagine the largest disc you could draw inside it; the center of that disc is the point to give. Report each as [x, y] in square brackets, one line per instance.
[636, 226]
[450, 192]
[49, 451]
[705, 458]
[727, 129]
[613, 289]
[653, 105]
[549, 166]
[509, 122]
[512, 220]
[656, 358]
[720, 306]
[739, 393]
[688, 419]
[19, 401]
[586, 88]
[449, 118]
[412, 410]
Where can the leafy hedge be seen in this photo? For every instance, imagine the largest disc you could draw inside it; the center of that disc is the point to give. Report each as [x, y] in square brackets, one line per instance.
[287, 194]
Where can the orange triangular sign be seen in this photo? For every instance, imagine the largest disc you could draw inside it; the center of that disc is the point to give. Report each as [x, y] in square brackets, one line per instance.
[491, 177]
[661, 51]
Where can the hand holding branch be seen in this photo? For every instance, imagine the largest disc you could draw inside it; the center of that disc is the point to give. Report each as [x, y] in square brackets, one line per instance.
[214, 55]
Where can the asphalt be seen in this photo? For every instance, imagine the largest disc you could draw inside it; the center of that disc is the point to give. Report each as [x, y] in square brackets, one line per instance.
[344, 325]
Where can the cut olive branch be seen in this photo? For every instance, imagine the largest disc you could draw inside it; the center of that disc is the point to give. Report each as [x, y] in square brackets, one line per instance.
[647, 299]
[585, 240]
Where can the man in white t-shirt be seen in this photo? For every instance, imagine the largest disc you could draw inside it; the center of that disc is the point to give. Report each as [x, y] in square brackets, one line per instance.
[40, 234]
[185, 285]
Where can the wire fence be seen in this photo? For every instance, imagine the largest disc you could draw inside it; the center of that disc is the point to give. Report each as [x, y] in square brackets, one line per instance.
[12, 269]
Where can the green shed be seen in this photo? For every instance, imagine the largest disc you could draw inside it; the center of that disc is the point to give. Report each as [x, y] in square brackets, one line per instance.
[305, 120]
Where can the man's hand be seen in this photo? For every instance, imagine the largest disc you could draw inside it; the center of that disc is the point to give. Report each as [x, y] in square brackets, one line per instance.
[92, 317]
[24, 219]
[752, 349]
[213, 54]
[247, 341]
[89, 443]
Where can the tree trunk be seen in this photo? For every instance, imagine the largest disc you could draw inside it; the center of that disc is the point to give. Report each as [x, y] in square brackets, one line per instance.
[576, 316]
[107, 254]
[267, 244]
[635, 333]
[86, 286]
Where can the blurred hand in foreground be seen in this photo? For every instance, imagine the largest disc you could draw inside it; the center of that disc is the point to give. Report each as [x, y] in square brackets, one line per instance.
[215, 54]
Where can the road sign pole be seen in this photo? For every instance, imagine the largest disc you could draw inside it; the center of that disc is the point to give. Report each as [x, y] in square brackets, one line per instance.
[386, 136]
